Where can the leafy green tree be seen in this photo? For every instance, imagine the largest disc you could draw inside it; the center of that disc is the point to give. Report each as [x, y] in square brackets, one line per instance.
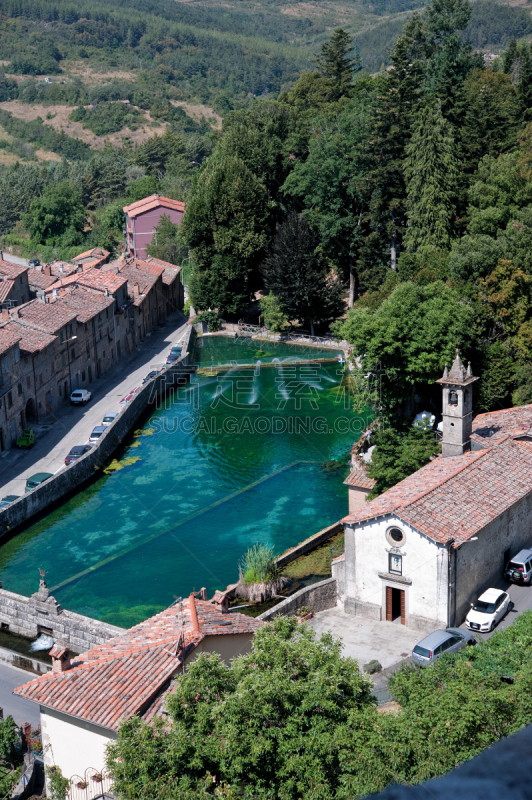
[337, 64]
[274, 317]
[59, 209]
[142, 187]
[270, 724]
[296, 273]
[9, 735]
[167, 242]
[431, 171]
[408, 339]
[398, 453]
[226, 226]
[59, 785]
[332, 183]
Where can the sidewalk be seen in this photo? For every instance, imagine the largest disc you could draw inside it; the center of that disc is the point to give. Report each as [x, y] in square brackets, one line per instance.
[366, 639]
[73, 425]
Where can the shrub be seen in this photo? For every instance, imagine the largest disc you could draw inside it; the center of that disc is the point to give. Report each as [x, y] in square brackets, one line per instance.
[59, 785]
[258, 565]
[212, 319]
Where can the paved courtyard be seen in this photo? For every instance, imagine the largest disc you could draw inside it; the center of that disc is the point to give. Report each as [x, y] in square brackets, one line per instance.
[367, 639]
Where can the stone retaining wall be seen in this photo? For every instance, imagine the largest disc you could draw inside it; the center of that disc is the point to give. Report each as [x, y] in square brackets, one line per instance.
[309, 544]
[73, 476]
[317, 597]
[41, 613]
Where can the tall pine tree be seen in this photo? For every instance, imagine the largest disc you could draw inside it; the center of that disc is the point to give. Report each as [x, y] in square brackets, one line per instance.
[339, 63]
[432, 170]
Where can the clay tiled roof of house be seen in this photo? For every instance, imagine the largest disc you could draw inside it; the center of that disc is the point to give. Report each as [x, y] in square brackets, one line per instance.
[100, 280]
[454, 498]
[85, 303]
[92, 258]
[358, 477]
[8, 339]
[153, 201]
[136, 275]
[129, 674]
[11, 270]
[31, 340]
[39, 279]
[61, 283]
[45, 316]
[171, 271]
[5, 289]
[508, 422]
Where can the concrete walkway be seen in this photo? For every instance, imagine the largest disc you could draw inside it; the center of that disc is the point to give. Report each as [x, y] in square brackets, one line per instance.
[73, 425]
[367, 639]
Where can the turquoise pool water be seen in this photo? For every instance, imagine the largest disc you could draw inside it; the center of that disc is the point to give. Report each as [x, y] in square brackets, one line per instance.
[232, 459]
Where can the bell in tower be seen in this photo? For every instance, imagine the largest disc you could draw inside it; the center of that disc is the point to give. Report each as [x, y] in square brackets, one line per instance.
[457, 407]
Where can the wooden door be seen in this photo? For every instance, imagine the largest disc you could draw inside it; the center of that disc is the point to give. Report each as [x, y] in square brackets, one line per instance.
[389, 603]
[403, 606]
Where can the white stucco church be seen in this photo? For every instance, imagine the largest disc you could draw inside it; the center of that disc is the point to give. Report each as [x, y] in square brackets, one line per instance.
[423, 550]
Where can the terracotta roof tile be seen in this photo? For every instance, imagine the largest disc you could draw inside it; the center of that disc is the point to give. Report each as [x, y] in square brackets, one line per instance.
[30, 340]
[454, 498]
[131, 673]
[8, 339]
[39, 279]
[6, 288]
[358, 477]
[46, 316]
[153, 201]
[11, 270]
[509, 421]
[85, 303]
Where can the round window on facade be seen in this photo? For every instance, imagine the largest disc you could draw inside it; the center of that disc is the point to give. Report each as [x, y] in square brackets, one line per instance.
[395, 536]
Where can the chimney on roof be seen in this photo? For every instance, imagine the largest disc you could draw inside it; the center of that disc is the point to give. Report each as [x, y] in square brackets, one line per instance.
[136, 288]
[106, 292]
[193, 613]
[61, 267]
[5, 313]
[48, 270]
[220, 601]
[60, 658]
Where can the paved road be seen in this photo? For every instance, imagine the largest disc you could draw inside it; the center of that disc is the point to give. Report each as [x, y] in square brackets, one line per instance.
[522, 598]
[73, 425]
[15, 259]
[21, 710]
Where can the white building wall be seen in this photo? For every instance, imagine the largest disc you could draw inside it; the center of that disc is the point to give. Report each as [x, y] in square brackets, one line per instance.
[424, 573]
[74, 745]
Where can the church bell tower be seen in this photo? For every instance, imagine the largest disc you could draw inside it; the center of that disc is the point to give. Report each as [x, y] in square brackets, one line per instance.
[457, 407]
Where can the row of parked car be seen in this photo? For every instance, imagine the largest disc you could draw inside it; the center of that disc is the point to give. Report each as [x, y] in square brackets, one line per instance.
[485, 614]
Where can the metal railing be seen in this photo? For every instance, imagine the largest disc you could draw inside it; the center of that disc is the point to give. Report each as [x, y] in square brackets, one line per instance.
[91, 785]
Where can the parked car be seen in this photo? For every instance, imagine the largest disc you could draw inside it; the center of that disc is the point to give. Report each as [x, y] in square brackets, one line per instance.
[27, 439]
[77, 451]
[96, 433]
[110, 417]
[149, 376]
[6, 501]
[172, 357]
[177, 348]
[34, 262]
[519, 569]
[451, 640]
[35, 480]
[80, 397]
[488, 610]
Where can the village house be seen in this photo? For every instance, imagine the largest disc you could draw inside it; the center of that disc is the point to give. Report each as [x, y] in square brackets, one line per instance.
[423, 550]
[173, 291]
[145, 291]
[14, 288]
[52, 364]
[34, 394]
[94, 258]
[11, 400]
[85, 698]
[144, 216]
[97, 347]
[41, 278]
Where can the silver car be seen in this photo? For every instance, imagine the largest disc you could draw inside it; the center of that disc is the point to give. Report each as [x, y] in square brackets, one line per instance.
[451, 640]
